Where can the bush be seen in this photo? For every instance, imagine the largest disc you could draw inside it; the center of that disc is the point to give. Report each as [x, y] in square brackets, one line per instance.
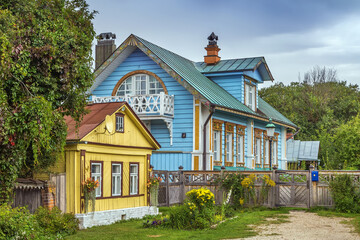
[55, 222]
[18, 223]
[345, 194]
[180, 217]
[196, 213]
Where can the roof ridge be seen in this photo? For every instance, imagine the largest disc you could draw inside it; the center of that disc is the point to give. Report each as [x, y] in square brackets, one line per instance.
[142, 39]
[235, 59]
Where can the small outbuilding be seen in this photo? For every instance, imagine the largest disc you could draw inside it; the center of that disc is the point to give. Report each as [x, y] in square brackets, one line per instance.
[110, 145]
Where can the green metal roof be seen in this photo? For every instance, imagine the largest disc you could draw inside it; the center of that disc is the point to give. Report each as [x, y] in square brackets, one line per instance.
[271, 112]
[241, 64]
[187, 70]
[191, 73]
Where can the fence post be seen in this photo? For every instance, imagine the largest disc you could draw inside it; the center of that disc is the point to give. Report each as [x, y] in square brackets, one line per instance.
[273, 189]
[182, 184]
[312, 187]
[167, 189]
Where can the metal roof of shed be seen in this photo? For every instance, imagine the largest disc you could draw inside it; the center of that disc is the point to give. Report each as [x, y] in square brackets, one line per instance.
[297, 150]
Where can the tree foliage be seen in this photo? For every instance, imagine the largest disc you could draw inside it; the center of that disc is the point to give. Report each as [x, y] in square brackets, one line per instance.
[45, 70]
[319, 105]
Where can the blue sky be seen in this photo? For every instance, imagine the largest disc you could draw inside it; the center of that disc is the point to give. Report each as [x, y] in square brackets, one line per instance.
[293, 36]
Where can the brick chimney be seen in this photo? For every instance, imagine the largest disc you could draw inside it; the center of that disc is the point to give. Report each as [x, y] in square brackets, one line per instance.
[212, 49]
[104, 48]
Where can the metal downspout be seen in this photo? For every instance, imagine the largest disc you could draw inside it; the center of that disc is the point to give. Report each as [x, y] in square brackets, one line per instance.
[212, 110]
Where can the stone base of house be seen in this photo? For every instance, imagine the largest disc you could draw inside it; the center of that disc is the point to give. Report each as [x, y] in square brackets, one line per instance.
[110, 216]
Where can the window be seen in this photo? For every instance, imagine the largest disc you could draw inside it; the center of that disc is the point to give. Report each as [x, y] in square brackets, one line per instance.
[258, 151]
[267, 152]
[274, 153]
[229, 144]
[250, 96]
[140, 84]
[134, 178]
[119, 122]
[240, 143]
[217, 142]
[217, 145]
[116, 174]
[229, 147]
[96, 174]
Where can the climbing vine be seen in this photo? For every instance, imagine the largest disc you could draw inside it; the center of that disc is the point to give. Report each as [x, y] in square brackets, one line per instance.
[45, 71]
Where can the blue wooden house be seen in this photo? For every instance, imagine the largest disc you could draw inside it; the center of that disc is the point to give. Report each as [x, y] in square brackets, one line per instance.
[204, 114]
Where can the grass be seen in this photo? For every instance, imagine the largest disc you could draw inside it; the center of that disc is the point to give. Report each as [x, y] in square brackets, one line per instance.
[234, 228]
[241, 226]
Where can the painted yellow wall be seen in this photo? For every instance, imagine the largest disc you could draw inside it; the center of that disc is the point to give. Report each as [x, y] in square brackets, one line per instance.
[134, 134]
[107, 155]
[132, 146]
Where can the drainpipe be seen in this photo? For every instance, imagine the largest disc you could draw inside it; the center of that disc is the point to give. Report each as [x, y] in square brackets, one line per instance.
[212, 110]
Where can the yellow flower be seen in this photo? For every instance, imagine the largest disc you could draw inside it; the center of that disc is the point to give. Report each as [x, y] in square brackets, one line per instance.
[241, 201]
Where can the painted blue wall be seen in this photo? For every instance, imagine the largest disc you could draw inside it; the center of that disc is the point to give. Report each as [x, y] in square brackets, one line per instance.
[232, 84]
[183, 110]
[171, 161]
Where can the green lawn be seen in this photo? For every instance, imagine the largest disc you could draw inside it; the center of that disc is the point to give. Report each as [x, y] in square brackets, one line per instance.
[233, 228]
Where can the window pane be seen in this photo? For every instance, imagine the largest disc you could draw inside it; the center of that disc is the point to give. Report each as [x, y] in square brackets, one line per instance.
[133, 169]
[95, 168]
[116, 168]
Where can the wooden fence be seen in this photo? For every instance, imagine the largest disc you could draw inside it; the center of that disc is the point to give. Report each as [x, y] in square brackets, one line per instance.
[293, 188]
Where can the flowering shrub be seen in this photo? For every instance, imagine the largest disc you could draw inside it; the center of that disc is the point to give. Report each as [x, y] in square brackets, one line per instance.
[89, 186]
[196, 213]
[200, 199]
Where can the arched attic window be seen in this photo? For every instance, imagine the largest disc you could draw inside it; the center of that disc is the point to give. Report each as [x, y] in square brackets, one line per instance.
[139, 83]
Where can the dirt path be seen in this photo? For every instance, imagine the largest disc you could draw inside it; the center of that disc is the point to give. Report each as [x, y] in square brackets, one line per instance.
[304, 225]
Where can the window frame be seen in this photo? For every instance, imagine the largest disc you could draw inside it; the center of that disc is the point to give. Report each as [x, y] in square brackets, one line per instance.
[136, 87]
[229, 153]
[217, 127]
[240, 155]
[248, 86]
[121, 178]
[138, 177]
[258, 154]
[101, 176]
[119, 116]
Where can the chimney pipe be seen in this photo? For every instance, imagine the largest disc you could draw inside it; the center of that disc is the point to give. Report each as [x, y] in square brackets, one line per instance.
[212, 49]
[104, 48]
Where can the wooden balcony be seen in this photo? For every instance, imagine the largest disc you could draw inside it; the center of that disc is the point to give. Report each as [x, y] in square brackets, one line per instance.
[150, 106]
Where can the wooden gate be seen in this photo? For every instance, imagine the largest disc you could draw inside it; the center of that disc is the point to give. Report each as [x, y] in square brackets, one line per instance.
[292, 188]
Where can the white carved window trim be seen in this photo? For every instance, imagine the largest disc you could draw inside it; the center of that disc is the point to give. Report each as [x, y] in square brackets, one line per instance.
[140, 84]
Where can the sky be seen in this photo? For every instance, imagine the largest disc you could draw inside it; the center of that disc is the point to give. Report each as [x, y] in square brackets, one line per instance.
[293, 36]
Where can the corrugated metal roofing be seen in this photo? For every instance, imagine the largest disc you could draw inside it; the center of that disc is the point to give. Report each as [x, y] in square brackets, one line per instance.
[269, 111]
[187, 70]
[241, 64]
[91, 120]
[297, 150]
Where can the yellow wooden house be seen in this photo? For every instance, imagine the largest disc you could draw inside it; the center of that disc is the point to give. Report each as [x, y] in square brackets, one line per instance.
[113, 146]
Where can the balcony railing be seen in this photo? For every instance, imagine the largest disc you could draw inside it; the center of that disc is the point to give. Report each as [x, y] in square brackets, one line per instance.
[144, 105]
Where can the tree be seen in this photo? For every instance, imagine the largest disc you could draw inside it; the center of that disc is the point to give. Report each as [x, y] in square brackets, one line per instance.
[318, 105]
[45, 71]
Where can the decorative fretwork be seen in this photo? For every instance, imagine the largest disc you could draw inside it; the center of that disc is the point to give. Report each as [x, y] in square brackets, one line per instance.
[150, 104]
[240, 130]
[217, 125]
